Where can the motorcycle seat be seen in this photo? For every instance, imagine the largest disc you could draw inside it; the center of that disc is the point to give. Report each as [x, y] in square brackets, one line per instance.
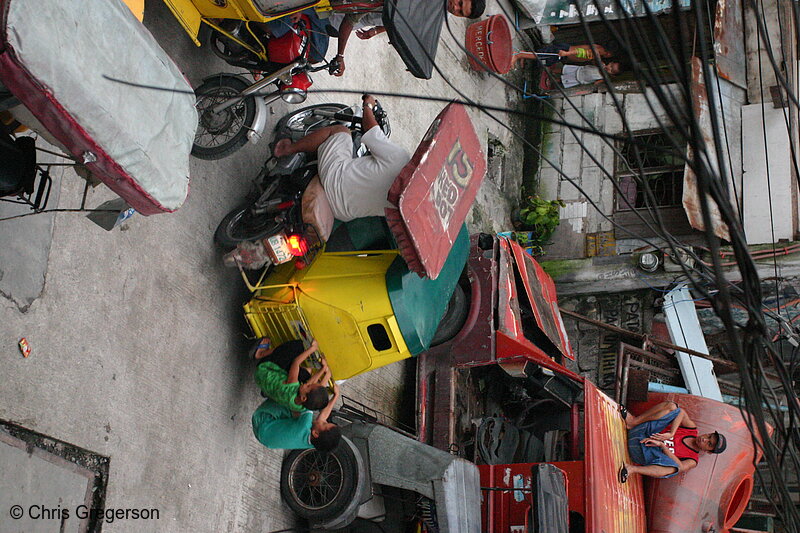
[316, 210]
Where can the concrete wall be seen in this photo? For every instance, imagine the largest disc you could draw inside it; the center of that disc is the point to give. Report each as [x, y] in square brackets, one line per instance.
[578, 166]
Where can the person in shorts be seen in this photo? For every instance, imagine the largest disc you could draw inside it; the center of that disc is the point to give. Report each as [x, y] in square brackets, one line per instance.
[278, 377]
[664, 441]
[276, 427]
[354, 186]
[556, 52]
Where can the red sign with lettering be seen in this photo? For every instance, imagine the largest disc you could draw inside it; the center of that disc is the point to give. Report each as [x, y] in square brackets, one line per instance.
[435, 190]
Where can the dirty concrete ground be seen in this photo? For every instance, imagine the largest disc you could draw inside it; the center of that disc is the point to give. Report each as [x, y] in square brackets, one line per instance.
[138, 336]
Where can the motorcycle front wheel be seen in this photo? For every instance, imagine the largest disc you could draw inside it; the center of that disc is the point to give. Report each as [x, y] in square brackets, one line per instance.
[221, 134]
[299, 123]
[242, 224]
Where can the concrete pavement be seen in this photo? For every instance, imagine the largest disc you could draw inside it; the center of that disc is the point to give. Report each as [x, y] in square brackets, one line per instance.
[137, 334]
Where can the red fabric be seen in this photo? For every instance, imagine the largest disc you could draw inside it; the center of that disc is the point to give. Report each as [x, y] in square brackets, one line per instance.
[681, 450]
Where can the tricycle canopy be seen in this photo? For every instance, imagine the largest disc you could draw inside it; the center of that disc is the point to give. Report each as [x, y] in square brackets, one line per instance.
[434, 192]
[136, 141]
[414, 27]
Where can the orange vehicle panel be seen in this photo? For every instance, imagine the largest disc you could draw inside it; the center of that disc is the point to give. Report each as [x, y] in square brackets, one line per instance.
[611, 506]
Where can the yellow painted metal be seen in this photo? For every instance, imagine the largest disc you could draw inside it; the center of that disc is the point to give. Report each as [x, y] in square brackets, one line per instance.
[136, 7]
[188, 16]
[335, 300]
[190, 13]
[261, 52]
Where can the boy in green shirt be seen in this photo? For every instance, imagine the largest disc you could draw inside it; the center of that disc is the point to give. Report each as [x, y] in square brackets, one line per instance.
[275, 427]
[283, 386]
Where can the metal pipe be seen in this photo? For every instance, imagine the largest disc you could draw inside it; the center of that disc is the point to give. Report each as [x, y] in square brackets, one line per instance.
[257, 86]
[642, 337]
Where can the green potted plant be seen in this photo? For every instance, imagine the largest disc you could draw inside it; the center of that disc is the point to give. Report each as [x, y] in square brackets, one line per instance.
[539, 218]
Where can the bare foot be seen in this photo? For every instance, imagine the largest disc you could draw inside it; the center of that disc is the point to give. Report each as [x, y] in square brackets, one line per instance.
[282, 148]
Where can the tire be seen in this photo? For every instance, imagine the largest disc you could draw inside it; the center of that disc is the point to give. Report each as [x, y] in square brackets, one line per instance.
[226, 49]
[320, 487]
[241, 225]
[298, 123]
[221, 134]
[454, 317]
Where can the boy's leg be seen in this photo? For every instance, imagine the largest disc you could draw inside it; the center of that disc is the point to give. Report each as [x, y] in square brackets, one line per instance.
[654, 413]
[651, 470]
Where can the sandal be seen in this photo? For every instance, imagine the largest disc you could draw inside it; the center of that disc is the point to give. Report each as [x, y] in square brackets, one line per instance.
[623, 474]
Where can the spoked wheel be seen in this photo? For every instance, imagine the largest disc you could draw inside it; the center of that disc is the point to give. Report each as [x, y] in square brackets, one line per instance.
[320, 486]
[221, 134]
[301, 122]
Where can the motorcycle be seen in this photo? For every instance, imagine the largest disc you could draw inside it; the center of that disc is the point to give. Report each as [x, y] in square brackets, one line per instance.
[232, 110]
[270, 228]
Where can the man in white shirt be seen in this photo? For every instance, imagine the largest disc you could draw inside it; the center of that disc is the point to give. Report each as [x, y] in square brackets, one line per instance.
[355, 187]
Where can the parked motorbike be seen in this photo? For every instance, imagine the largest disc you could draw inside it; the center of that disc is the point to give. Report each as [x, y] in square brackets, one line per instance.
[269, 227]
[231, 109]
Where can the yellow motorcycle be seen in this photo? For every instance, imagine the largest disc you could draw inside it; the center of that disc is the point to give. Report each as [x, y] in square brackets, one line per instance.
[241, 33]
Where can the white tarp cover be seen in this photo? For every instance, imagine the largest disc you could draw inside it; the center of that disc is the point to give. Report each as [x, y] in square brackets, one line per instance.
[684, 330]
[56, 54]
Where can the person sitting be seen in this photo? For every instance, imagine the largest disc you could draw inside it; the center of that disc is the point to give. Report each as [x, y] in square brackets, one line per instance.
[368, 25]
[283, 386]
[355, 187]
[564, 53]
[275, 427]
[664, 441]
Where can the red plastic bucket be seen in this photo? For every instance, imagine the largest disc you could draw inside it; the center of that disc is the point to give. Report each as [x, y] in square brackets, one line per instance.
[490, 41]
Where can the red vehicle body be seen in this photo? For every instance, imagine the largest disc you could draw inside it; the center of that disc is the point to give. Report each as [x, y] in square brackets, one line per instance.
[514, 338]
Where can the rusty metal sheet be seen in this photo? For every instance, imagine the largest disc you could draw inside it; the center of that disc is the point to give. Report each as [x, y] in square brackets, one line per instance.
[601, 244]
[729, 50]
[508, 319]
[542, 296]
[435, 190]
[611, 506]
[691, 198]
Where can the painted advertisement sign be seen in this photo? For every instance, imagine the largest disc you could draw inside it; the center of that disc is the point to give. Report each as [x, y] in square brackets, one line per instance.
[566, 12]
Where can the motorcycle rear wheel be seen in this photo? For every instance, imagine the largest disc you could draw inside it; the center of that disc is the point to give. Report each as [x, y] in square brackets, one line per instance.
[242, 225]
[226, 49]
[220, 134]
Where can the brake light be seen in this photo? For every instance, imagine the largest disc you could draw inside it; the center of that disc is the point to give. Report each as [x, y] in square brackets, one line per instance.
[297, 245]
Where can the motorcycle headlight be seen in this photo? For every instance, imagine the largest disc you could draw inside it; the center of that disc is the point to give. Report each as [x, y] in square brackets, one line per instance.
[292, 95]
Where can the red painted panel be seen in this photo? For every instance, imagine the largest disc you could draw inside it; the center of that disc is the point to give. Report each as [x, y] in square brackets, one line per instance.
[517, 347]
[610, 505]
[543, 298]
[435, 191]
